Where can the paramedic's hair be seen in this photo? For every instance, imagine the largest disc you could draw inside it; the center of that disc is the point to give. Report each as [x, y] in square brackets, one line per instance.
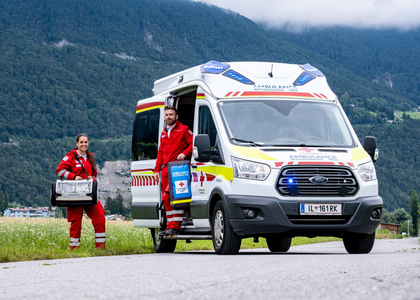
[89, 156]
[168, 107]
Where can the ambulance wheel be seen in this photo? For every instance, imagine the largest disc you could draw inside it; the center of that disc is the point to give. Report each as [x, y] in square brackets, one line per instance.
[358, 243]
[276, 243]
[162, 245]
[225, 240]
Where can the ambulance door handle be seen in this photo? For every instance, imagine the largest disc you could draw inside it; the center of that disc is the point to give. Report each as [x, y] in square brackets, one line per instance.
[194, 166]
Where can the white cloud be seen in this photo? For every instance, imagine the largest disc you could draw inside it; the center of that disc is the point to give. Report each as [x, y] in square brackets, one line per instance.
[402, 14]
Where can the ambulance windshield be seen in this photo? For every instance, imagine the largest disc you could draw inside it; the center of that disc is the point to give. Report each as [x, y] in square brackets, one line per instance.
[285, 123]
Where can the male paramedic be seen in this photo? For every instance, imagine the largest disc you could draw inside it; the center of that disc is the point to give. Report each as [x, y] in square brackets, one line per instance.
[175, 144]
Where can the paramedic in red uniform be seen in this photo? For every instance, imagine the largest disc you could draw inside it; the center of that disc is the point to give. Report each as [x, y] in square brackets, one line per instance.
[175, 144]
[71, 169]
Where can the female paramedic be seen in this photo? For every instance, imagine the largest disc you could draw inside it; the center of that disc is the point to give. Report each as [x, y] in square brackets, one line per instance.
[76, 165]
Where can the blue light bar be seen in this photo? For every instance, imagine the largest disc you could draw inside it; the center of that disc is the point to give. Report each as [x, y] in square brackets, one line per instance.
[312, 70]
[304, 78]
[238, 77]
[214, 67]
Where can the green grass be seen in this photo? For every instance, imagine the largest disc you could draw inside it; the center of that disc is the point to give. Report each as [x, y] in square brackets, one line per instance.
[23, 239]
[413, 115]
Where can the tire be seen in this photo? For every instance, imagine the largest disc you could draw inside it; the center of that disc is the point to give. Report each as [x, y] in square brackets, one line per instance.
[277, 243]
[358, 243]
[162, 245]
[225, 240]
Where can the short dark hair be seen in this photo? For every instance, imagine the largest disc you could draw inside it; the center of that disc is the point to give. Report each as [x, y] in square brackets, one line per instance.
[168, 107]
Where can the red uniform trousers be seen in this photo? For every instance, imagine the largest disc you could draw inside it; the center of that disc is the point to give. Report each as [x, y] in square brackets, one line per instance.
[97, 214]
[173, 217]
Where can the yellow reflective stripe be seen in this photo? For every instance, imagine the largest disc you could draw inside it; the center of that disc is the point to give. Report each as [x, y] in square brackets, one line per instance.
[358, 154]
[251, 152]
[148, 108]
[225, 173]
[180, 201]
[143, 173]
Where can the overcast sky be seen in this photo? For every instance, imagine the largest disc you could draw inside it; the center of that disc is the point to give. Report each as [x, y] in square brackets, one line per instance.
[300, 14]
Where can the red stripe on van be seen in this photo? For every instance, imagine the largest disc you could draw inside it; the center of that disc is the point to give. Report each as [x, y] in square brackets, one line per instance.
[150, 104]
[228, 94]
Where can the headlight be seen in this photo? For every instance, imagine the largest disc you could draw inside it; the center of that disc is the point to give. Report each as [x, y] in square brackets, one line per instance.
[249, 170]
[367, 171]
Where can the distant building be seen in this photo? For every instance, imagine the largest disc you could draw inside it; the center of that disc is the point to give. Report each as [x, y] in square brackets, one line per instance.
[29, 212]
[394, 228]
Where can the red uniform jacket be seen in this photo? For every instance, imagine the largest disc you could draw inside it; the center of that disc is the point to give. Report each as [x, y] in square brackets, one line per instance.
[69, 167]
[179, 141]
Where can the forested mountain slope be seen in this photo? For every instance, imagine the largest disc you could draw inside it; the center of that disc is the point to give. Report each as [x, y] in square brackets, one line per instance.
[69, 66]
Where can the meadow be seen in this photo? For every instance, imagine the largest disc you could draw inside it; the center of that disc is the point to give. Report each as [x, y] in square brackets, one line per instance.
[23, 239]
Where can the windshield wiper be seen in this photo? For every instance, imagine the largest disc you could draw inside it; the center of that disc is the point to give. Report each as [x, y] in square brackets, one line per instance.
[248, 142]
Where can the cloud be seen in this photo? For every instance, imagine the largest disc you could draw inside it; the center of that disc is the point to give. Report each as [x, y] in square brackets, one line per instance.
[297, 15]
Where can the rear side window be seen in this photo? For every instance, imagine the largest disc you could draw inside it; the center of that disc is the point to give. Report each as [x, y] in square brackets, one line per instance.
[145, 135]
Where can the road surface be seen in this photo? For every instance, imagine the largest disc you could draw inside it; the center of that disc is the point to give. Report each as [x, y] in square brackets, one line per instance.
[318, 271]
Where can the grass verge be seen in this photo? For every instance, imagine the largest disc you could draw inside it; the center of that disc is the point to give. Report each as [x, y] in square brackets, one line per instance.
[23, 239]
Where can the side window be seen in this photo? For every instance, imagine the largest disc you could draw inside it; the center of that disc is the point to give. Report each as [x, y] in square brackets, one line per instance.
[206, 124]
[145, 135]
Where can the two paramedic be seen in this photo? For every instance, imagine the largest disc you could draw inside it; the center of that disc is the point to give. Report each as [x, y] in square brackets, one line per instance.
[176, 142]
[79, 164]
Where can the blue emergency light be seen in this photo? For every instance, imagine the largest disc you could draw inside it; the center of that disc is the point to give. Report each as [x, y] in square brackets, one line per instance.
[214, 67]
[304, 78]
[238, 77]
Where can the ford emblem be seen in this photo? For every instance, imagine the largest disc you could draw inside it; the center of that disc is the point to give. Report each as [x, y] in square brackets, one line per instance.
[318, 179]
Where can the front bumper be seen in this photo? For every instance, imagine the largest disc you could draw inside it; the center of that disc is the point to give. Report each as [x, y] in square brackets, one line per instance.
[282, 216]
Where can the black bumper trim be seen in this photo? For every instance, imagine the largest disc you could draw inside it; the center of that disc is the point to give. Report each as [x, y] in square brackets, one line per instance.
[273, 216]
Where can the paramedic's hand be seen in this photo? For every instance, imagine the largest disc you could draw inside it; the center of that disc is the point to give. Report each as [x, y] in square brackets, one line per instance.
[78, 178]
[157, 176]
[181, 157]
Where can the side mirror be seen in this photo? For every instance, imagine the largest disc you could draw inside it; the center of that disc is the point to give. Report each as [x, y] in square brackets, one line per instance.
[370, 146]
[202, 148]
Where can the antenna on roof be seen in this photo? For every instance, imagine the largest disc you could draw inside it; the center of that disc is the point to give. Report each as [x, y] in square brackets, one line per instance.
[271, 73]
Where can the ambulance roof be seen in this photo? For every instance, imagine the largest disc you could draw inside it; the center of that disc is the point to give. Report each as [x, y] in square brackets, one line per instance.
[251, 79]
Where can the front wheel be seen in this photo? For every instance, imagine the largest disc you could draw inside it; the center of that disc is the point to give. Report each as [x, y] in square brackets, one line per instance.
[162, 245]
[359, 243]
[225, 240]
[277, 243]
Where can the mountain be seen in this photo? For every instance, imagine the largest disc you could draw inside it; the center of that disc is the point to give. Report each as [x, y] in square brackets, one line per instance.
[387, 57]
[68, 67]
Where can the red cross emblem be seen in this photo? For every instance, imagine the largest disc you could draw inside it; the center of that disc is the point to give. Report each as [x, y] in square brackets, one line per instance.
[202, 177]
[181, 184]
[306, 149]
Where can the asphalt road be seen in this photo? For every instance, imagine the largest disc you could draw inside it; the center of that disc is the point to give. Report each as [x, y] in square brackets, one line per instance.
[319, 271]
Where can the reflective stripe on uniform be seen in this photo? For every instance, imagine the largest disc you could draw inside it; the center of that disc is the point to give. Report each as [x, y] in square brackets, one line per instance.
[176, 219]
[169, 213]
[178, 212]
[74, 242]
[100, 234]
[100, 240]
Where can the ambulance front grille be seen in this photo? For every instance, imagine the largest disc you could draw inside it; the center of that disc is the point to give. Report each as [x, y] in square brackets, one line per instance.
[317, 181]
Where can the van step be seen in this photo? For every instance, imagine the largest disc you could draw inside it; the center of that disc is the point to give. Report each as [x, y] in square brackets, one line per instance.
[188, 237]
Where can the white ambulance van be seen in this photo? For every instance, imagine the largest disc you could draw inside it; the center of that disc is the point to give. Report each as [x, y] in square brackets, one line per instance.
[274, 157]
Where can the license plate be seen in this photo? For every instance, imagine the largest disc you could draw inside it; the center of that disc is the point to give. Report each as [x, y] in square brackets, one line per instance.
[320, 209]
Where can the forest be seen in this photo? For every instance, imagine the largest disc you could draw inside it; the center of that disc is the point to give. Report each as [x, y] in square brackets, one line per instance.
[68, 67]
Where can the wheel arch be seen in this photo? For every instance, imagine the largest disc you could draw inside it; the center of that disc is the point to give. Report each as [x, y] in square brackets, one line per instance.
[215, 196]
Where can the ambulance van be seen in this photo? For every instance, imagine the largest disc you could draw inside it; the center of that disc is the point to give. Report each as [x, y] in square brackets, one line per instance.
[274, 157]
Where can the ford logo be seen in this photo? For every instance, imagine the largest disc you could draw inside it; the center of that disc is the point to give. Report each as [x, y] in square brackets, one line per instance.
[318, 179]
